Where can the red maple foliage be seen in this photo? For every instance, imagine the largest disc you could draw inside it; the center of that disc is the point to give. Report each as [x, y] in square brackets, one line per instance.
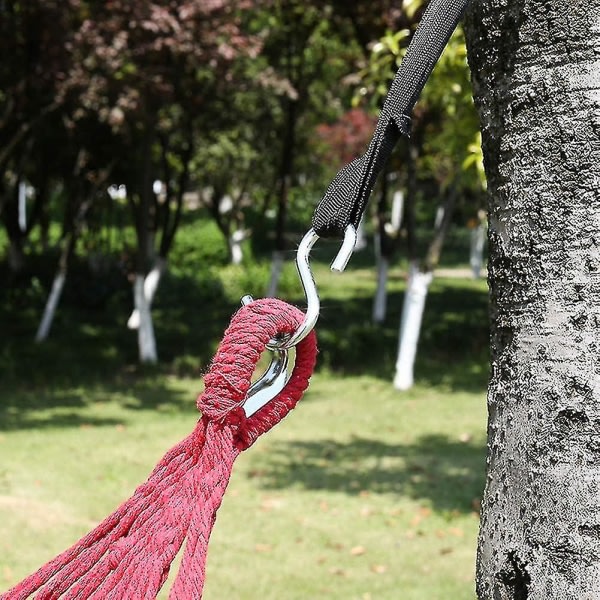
[347, 138]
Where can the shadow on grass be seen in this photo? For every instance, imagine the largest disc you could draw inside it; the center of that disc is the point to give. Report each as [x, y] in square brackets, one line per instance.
[91, 345]
[84, 406]
[91, 354]
[446, 472]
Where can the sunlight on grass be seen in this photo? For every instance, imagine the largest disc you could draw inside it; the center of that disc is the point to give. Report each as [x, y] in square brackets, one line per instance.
[360, 493]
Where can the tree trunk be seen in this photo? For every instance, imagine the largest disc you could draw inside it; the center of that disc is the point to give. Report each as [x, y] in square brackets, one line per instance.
[151, 283]
[144, 213]
[380, 301]
[146, 338]
[56, 292]
[385, 246]
[286, 170]
[361, 237]
[16, 254]
[22, 205]
[477, 244]
[276, 270]
[235, 246]
[410, 326]
[443, 221]
[536, 79]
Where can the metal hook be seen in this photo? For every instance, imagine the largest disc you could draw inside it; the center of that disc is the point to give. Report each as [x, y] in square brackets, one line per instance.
[308, 282]
[277, 374]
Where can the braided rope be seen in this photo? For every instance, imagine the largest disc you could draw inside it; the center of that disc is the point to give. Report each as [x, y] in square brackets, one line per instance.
[129, 554]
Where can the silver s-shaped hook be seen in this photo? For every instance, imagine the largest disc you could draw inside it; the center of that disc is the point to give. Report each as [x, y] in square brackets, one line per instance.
[277, 374]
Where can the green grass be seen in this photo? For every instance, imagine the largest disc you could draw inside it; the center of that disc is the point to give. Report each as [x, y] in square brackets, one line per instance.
[361, 493]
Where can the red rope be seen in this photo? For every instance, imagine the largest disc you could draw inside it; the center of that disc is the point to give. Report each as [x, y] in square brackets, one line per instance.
[130, 553]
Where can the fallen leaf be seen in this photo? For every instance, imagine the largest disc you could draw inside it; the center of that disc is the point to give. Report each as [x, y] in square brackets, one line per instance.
[379, 569]
[255, 473]
[271, 503]
[357, 550]
[444, 551]
[465, 438]
[456, 531]
[263, 547]
[335, 546]
[337, 571]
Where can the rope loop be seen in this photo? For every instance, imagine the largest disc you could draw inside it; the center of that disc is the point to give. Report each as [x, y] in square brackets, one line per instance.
[229, 377]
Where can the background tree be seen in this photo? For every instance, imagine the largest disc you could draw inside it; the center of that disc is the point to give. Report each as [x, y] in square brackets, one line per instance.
[536, 81]
[435, 166]
[35, 50]
[149, 71]
[306, 52]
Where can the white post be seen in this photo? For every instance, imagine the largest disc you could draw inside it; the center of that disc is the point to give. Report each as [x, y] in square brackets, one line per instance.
[380, 301]
[22, 209]
[410, 327]
[50, 309]
[477, 243]
[146, 339]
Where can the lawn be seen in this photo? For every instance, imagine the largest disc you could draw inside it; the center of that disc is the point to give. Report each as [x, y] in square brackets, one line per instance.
[361, 493]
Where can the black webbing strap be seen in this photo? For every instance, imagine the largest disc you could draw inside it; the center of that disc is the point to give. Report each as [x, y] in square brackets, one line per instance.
[347, 195]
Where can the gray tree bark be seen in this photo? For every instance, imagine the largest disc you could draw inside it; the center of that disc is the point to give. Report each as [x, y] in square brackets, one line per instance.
[536, 79]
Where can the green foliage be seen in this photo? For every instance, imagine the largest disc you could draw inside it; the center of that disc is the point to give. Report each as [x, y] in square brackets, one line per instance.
[199, 246]
[455, 143]
[385, 58]
[451, 128]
